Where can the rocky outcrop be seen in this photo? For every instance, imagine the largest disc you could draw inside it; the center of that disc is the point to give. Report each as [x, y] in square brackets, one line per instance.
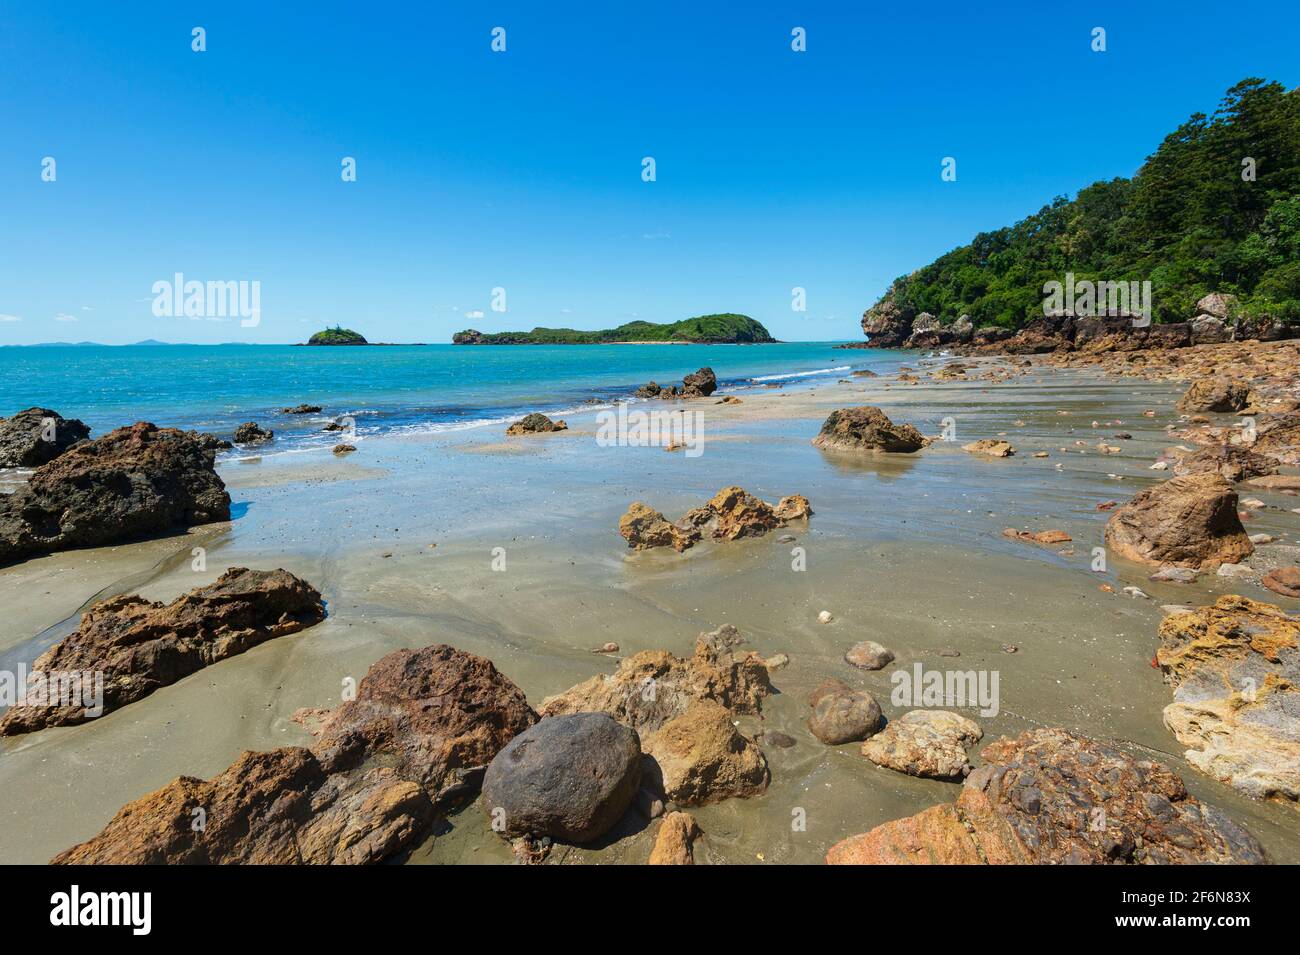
[1278, 436]
[886, 324]
[1187, 522]
[1235, 462]
[251, 433]
[138, 646]
[1215, 394]
[536, 423]
[654, 686]
[1283, 580]
[930, 743]
[700, 384]
[731, 514]
[128, 484]
[1235, 670]
[301, 409]
[843, 715]
[1050, 797]
[867, 428]
[412, 744]
[38, 435]
[699, 757]
[675, 843]
[568, 777]
[643, 528]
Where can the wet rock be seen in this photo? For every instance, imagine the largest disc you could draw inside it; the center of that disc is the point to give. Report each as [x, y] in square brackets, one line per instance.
[1234, 461]
[1235, 670]
[652, 687]
[535, 424]
[1050, 797]
[1216, 393]
[1175, 575]
[674, 845]
[865, 373]
[700, 385]
[699, 757]
[344, 448]
[1185, 522]
[38, 435]
[869, 655]
[739, 514]
[1039, 537]
[568, 777]
[793, 508]
[843, 715]
[643, 527]
[301, 409]
[776, 738]
[414, 742]
[867, 428]
[140, 646]
[128, 484]
[930, 743]
[1278, 436]
[251, 433]
[1277, 482]
[1284, 581]
[990, 447]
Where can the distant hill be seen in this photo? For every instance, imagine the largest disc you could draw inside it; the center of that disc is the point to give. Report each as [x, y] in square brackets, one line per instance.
[726, 328]
[337, 336]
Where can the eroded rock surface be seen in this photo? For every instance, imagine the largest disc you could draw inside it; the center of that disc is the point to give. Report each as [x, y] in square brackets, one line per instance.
[1050, 797]
[699, 757]
[1188, 521]
[138, 645]
[867, 428]
[38, 435]
[535, 423]
[1235, 670]
[929, 743]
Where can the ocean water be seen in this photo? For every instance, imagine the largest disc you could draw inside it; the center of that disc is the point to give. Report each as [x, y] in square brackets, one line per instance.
[385, 389]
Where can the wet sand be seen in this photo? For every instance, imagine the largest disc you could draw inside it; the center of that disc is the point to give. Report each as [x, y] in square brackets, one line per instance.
[906, 550]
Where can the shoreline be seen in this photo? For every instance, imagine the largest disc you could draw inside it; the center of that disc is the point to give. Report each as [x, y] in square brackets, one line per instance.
[553, 505]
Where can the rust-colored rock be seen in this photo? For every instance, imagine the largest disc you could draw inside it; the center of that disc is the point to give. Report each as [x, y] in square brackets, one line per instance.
[1284, 581]
[654, 686]
[415, 741]
[990, 447]
[1235, 462]
[699, 757]
[795, 507]
[1037, 537]
[929, 743]
[1050, 797]
[675, 843]
[1188, 522]
[535, 423]
[130, 483]
[1217, 393]
[137, 646]
[643, 528]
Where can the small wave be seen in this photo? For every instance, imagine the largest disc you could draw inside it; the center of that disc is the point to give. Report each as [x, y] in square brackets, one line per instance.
[802, 374]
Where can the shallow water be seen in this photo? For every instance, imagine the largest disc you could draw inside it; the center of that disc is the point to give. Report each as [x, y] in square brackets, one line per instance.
[904, 550]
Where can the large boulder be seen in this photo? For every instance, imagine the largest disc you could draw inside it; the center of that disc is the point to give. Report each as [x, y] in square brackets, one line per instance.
[1210, 330]
[130, 483]
[1188, 521]
[250, 432]
[1235, 670]
[867, 428]
[1278, 436]
[701, 384]
[1236, 462]
[1218, 305]
[1218, 393]
[700, 757]
[413, 743]
[567, 777]
[929, 743]
[843, 715]
[886, 324]
[654, 686]
[32, 437]
[138, 646]
[737, 513]
[1050, 797]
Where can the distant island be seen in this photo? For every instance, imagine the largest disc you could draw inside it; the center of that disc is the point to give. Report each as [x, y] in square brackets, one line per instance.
[727, 328]
[337, 336]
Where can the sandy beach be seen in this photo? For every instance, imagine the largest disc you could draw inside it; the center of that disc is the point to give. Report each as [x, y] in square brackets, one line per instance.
[401, 539]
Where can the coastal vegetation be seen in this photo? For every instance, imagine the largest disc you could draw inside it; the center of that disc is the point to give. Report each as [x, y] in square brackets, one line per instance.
[337, 336]
[1216, 208]
[725, 328]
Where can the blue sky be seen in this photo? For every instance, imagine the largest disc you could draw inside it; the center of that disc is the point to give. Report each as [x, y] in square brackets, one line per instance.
[522, 169]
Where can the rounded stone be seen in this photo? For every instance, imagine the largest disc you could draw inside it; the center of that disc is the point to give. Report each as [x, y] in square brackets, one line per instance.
[869, 655]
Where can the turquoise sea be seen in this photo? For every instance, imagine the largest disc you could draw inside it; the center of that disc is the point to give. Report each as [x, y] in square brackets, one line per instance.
[384, 388]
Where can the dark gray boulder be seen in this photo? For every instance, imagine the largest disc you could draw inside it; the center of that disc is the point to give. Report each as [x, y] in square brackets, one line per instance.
[32, 437]
[569, 777]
